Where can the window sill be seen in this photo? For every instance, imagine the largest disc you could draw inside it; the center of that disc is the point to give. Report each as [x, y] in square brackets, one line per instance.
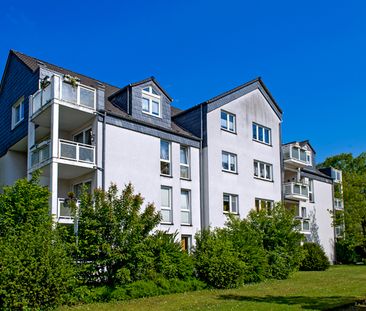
[167, 223]
[186, 179]
[263, 179]
[230, 213]
[151, 115]
[262, 142]
[230, 172]
[228, 131]
[186, 225]
[167, 176]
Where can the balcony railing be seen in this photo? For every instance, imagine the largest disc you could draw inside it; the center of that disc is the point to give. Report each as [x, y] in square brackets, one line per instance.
[78, 95]
[338, 204]
[296, 155]
[296, 190]
[40, 153]
[78, 152]
[64, 210]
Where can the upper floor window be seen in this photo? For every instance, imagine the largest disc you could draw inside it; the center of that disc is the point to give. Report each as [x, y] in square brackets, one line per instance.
[262, 204]
[84, 137]
[262, 134]
[166, 205]
[184, 162]
[17, 112]
[230, 203]
[263, 170]
[150, 101]
[311, 190]
[185, 207]
[165, 157]
[228, 121]
[229, 162]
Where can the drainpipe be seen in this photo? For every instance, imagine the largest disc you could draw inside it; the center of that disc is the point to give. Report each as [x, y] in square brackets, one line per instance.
[202, 188]
[103, 149]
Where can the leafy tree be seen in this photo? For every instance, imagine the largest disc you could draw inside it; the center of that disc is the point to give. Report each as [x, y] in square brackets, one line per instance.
[354, 195]
[36, 271]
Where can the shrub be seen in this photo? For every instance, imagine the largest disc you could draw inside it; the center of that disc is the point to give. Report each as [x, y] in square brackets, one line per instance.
[216, 261]
[315, 258]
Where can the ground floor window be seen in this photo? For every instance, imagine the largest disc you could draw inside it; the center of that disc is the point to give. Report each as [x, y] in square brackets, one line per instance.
[186, 242]
[230, 203]
[263, 204]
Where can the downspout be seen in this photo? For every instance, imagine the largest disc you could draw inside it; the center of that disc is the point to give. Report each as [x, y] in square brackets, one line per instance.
[334, 227]
[281, 165]
[128, 100]
[103, 149]
[202, 189]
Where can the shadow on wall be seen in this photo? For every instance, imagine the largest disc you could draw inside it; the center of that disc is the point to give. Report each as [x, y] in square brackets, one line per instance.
[330, 303]
[314, 228]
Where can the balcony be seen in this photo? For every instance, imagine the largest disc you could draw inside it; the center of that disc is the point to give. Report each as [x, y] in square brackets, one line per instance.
[304, 225]
[296, 157]
[40, 154]
[64, 212]
[296, 191]
[82, 153]
[338, 204]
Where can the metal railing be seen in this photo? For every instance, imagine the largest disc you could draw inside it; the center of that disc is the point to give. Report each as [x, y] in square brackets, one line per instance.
[295, 153]
[296, 189]
[40, 153]
[74, 151]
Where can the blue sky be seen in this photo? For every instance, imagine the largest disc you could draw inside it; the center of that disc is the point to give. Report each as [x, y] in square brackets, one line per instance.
[310, 54]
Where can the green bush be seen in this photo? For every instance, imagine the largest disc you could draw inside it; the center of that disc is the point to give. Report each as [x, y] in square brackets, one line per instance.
[217, 262]
[315, 258]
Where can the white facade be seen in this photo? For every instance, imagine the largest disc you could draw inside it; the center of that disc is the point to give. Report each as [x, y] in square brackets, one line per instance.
[252, 107]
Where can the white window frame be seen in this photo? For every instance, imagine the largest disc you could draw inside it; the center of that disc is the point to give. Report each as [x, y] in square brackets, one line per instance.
[187, 165]
[227, 128]
[311, 190]
[169, 161]
[150, 96]
[265, 201]
[262, 128]
[84, 136]
[231, 196]
[167, 208]
[82, 183]
[257, 170]
[229, 155]
[188, 209]
[19, 103]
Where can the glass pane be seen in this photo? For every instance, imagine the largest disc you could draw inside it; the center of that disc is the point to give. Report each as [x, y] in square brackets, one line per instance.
[46, 94]
[303, 155]
[86, 97]
[261, 170]
[78, 189]
[155, 107]
[68, 151]
[297, 189]
[69, 92]
[145, 104]
[306, 226]
[36, 102]
[184, 199]
[268, 172]
[233, 163]
[257, 205]
[295, 152]
[88, 187]
[260, 133]
[226, 203]
[231, 123]
[165, 168]
[184, 243]
[86, 154]
[234, 204]
[88, 137]
[255, 168]
[166, 215]
[164, 150]
[223, 120]
[65, 210]
[266, 136]
[165, 197]
[183, 155]
[154, 92]
[146, 89]
[35, 157]
[185, 217]
[225, 161]
[184, 171]
[255, 131]
[79, 138]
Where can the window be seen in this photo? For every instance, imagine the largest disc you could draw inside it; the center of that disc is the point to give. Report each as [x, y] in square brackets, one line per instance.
[87, 97]
[166, 205]
[185, 207]
[165, 165]
[18, 112]
[186, 243]
[84, 137]
[150, 101]
[262, 204]
[263, 170]
[299, 154]
[229, 162]
[303, 212]
[261, 134]
[78, 188]
[311, 190]
[228, 121]
[230, 203]
[184, 162]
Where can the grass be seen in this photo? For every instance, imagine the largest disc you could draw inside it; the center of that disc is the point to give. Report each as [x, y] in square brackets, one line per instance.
[338, 286]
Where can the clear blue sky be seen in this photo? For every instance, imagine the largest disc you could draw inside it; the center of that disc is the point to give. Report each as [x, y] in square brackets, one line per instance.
[310, 54]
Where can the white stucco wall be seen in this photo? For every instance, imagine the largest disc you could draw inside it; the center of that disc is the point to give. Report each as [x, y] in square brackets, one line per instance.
[320, 217]
[13, 166]
[249, 108]
[135, 157]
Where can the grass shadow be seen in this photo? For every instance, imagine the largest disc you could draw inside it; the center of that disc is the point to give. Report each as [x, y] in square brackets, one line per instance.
[315, 303]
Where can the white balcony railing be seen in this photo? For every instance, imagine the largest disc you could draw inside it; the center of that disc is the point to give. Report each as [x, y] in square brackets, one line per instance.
[40, 153]
[296, 155]
[338, 204]
[296, 190]
[78, 95]
[64, 211]
[78, 152]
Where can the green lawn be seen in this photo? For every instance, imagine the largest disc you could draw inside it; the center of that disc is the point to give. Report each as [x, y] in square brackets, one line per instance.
[304, 290]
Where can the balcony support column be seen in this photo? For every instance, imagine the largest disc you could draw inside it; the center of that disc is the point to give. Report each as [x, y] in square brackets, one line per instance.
[54, 155]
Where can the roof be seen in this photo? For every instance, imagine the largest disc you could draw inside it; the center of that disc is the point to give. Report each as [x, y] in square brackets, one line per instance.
[315, 171]
[34, 64]
[256, 80]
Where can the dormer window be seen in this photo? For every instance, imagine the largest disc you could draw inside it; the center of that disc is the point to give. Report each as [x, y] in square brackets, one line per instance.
[150, 101]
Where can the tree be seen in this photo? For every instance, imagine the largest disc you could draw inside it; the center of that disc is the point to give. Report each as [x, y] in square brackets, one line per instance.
[354, 195]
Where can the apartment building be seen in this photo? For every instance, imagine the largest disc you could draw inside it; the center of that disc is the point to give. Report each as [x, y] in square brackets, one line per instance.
[222, 156]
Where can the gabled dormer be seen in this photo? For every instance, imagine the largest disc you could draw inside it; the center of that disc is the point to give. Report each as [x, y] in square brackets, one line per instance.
[298, 154]
[146, 101]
